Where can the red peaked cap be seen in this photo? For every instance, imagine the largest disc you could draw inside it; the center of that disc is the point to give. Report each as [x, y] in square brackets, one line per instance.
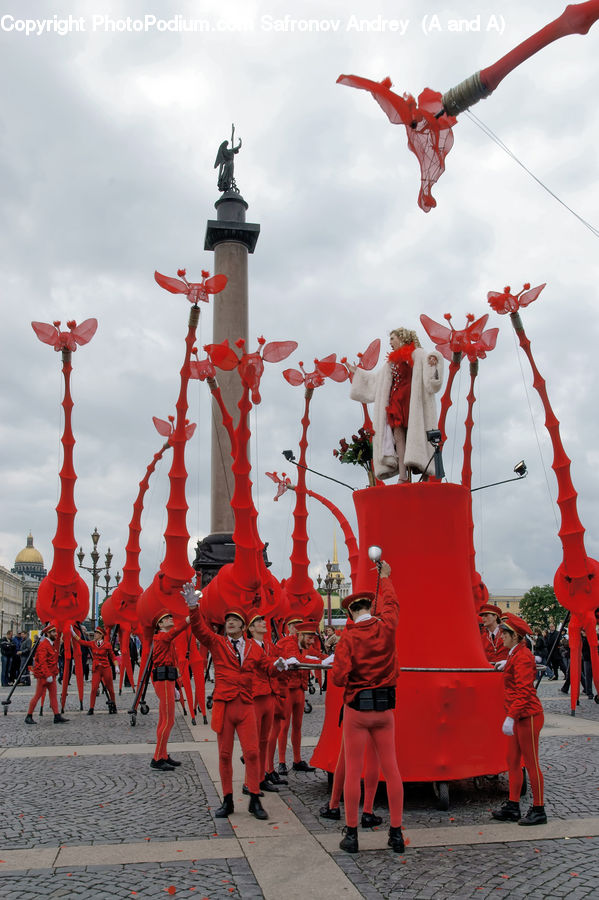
[490, 608]
[100, 629]
[307, 627]
[237, 612]
[510, 622]
[353, 598]
[49, 627]
[160, 615]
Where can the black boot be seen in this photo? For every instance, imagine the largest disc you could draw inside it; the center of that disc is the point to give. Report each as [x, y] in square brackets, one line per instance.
[302, 766]
[350, 842]
[162, 765]
[245, 790]
[330, 812]
[193, 721]
[226, 807]
[256, 808]
[536, 815]
[59, 719]
[29, 720]
[268, 787]
[369, 820]
[508, 812]
[283, 769]
[90, 711]
[173, 762]
[275, 778]
[205, 720]
[396, 841]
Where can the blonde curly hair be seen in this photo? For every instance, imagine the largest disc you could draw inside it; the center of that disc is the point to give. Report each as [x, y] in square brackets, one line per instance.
[406, 336]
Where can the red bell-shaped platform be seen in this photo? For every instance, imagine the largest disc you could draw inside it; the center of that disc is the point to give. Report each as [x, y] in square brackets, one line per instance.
[448, 723]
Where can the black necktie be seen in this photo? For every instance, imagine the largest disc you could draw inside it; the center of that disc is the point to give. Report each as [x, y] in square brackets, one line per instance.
[236, 650]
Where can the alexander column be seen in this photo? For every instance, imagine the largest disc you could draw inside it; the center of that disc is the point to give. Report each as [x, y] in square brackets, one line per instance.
[231, 238]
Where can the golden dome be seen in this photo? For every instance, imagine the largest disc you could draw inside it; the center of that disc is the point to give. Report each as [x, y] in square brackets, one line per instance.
[29, 554]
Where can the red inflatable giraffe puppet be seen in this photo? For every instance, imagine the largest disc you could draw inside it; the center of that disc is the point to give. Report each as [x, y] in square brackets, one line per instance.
[576, 584]
[63, 596]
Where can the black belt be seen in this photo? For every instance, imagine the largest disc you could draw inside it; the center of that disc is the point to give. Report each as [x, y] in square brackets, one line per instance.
[374, 699]
[165, 673]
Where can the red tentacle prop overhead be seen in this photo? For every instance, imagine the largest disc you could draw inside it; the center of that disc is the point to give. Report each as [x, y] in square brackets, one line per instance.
[245, 582]
[303, 599]
[284, 484]
[576, 581]
[175, 569]
[63, 596]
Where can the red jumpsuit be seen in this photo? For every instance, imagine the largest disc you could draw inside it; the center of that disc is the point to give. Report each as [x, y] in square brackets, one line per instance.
[163, 654]
[365, 660]
[102, 653]
[232, 706]
[524, 707]
[493, 645]
[45, 665]
[297, 683]
[264, 694]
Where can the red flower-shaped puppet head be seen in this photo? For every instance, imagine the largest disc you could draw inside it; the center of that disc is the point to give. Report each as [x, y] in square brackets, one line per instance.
[249, 365]
[195, 291]
[428, 128]
[328, 367]
[283, 484]
[506, 302]
[167, 429]
[472, 341]
[66, 340]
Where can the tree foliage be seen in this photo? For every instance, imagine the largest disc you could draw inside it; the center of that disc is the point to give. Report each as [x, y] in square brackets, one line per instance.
[539, 607]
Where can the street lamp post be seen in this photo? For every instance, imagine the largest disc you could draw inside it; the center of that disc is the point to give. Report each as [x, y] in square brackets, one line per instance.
[95, 569]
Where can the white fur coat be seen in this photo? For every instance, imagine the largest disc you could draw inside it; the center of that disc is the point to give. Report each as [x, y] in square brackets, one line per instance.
[376, 386]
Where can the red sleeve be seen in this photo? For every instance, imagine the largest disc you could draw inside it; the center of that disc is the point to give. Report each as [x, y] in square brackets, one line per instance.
[523, 673]
[175, 632]
[200, 628]
[342, 664]
[389, 614]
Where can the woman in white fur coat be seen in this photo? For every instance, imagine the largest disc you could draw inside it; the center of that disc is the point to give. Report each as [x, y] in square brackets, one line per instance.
[404, 405]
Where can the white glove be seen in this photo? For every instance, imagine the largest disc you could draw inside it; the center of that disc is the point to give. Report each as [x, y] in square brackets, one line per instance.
[177, 694]
[508, 726]
[292, 661]
[190, 595]
[49, 680]
[315, 658]
[500, 666]
[538, 659]
[73, 632]
[329, 660]
[280, 664]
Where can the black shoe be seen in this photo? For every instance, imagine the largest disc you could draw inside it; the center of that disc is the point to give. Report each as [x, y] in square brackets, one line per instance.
[564, 690]
[59, 719]
[508, 812]
[205, 720]
[112, 710]
[162, 765]
[302, 766]
[328, 812]
[255, 807]
[536, 815]
[173, 762]
[268, 787]
[245, 790]
[369, 820]
[350, 842]
[193, 721]
[226, 807]
[29, 720]
[396, 841]
[90, 712]
[283, 769]
[274, 778]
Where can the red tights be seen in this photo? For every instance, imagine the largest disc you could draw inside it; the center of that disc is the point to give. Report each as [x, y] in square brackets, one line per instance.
[371, 776]
[264, 707]
[294, 714]
[358, 726]
[239, 717]
[102, 673]
[165, 691]
[41, 686]
[277, 723]
[523, 746]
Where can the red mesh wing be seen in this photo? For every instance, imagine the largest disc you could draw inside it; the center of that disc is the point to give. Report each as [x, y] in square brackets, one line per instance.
[275, 351]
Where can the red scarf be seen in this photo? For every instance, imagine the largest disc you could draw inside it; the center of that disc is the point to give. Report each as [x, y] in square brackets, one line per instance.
[402, 354]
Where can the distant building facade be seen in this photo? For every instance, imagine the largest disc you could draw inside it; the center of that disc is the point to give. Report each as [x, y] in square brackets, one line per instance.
[29, 567]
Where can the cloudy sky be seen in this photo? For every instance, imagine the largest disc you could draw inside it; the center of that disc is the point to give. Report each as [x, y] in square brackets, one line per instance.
[107, 144]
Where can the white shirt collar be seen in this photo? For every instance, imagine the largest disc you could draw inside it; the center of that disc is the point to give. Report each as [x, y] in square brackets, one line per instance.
[362, 618]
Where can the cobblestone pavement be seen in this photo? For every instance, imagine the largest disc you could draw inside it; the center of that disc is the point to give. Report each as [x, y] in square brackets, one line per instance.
[114, 797]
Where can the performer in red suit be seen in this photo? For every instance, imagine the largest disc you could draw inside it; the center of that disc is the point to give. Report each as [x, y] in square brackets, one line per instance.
[45, 671]
[523, 723]
[365, 666]
[102, 655]
[491, 634]
[280, 714]
[264, 693]
[301, 647]
[164, 676]
[236, 660]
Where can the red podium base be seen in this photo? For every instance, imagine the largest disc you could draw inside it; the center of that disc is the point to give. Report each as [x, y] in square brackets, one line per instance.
[448, 724]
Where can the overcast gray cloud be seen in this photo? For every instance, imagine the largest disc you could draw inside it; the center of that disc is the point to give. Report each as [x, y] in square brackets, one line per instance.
[107, 145]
